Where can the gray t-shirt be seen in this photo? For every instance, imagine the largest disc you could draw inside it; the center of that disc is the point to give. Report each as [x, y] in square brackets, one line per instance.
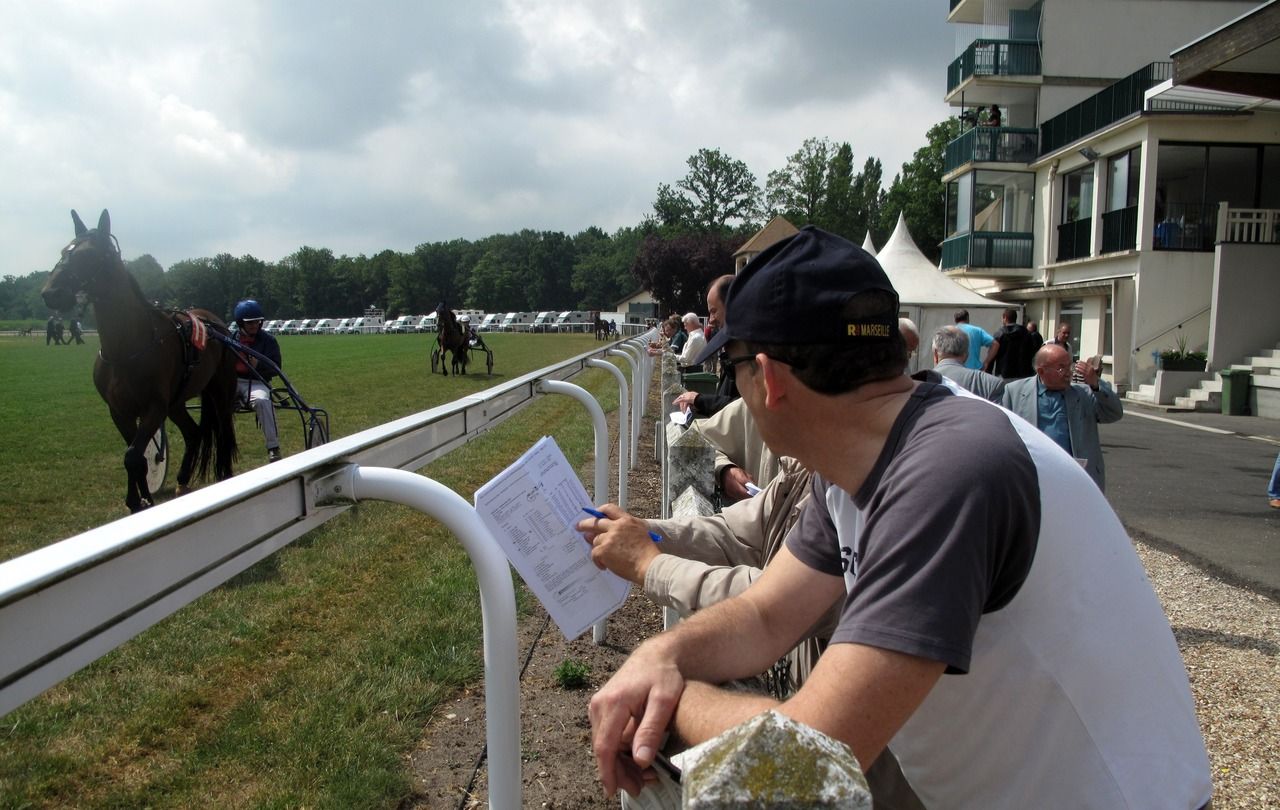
[952, 511]
[975, 541]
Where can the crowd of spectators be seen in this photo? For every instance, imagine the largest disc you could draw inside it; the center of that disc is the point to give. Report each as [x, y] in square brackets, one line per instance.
[902, 563]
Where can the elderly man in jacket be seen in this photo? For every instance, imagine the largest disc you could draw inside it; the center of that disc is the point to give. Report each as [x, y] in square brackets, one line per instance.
[1067, 412]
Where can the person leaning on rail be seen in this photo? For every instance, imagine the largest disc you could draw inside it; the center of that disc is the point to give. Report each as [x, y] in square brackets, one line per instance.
[978, 602]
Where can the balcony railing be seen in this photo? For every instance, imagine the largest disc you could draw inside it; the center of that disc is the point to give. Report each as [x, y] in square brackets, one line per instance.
[992, 145]
[1008, 250]
[1187, 226]
[1120, 230]
[1105, 107]
[1255, 225]
[1075, 239]
[994, 57]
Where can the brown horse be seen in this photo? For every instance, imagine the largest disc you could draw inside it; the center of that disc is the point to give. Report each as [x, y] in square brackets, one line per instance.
[148, 365]
[451, 338]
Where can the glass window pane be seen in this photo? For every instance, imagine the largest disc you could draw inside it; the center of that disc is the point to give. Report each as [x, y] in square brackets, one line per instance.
[1118, 182]
[1232, 176]
[1270, 177]
[1077, 195]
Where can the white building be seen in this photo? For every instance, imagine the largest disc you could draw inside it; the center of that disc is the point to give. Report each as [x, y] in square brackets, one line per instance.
[1119, 187]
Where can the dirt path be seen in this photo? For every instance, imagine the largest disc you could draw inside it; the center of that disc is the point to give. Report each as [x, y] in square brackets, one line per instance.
[557, 769]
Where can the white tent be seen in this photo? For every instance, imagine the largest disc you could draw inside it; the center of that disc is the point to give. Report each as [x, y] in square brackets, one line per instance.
[927, 296]
[870, 246]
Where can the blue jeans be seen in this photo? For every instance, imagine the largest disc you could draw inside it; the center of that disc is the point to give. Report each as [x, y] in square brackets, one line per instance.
[1273, 491]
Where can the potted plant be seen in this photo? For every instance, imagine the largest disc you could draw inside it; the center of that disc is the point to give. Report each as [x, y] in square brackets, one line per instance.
[1179, 359]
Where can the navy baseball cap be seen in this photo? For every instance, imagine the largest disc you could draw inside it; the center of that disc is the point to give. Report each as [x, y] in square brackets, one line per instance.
[796, 291]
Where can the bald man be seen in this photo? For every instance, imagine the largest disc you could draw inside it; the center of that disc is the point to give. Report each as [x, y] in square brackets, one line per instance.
[1067, 412]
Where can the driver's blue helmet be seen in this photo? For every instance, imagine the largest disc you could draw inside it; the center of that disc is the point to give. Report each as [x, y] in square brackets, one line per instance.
[248, 310]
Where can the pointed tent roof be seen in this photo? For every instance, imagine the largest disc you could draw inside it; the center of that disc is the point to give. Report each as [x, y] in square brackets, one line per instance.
[917, 280]
[870, 246]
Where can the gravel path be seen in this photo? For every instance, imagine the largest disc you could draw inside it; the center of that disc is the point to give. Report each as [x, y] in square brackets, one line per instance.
[1230, 642]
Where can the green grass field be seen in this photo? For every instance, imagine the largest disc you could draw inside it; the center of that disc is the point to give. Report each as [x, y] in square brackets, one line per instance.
[304, 681]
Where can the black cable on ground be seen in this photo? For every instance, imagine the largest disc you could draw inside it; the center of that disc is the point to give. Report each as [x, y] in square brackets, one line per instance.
[484, 751]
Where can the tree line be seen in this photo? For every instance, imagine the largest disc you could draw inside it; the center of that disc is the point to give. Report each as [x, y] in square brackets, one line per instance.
[689, 238]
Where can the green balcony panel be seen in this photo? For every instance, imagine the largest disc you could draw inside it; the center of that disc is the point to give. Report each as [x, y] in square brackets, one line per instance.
[994, 57]
[999, 250]
[992, 145]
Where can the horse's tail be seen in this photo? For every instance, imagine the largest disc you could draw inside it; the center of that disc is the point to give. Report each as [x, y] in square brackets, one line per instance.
[217, 421]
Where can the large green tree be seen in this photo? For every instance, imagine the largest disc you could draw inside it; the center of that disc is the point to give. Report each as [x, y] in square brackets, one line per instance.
[799, 190]
[718, 194]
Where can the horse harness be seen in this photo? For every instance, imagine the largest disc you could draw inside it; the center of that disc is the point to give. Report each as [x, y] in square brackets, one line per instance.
[192, 332]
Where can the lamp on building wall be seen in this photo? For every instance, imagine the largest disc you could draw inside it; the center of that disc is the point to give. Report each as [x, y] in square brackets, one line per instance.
[1089, 154]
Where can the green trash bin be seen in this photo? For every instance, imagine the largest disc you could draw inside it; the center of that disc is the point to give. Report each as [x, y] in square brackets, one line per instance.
[701, 382]
[1235, 391]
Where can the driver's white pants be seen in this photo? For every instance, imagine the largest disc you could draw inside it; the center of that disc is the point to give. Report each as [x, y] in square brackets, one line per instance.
[258, 396]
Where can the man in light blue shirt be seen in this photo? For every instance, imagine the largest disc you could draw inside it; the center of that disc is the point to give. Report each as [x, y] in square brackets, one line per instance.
[979, 339]
[1067, 412]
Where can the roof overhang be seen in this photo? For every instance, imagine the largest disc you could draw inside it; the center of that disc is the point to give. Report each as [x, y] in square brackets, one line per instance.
[1240, 58]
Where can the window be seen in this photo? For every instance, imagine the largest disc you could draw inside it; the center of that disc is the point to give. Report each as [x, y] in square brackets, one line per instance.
[1123, 172]
[1191, 181]
[1120, 222]
[960, 205]
[1075, 234]
[1077, 195]
[1071, 312]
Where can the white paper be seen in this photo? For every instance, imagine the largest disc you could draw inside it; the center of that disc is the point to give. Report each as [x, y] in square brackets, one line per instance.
[679, 417]
[752, 489]
[531, 509]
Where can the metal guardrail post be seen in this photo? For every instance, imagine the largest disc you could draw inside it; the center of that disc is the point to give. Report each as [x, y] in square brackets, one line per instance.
[624, 420]
[600, 629]
[353, 483]
[637, 385]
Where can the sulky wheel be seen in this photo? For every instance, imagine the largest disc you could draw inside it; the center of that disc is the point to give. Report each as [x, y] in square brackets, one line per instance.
[157, 454]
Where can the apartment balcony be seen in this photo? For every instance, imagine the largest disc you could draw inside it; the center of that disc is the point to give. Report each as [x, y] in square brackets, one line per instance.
[1075, 239]
[985, 254]
[1120, 230]
[1107, 106]
[994, 57]
[992, 145]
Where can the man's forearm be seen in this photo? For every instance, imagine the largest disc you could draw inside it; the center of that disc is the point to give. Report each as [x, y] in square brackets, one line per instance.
[721, 643]
[706, 711]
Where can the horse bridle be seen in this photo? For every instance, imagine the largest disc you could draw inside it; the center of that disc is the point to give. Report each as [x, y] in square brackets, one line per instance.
[78, 277]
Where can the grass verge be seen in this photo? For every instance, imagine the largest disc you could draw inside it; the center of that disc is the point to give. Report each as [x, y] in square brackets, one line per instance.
[305, 680]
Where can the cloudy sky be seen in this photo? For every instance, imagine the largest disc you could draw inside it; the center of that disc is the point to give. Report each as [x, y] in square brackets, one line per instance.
[212, 126]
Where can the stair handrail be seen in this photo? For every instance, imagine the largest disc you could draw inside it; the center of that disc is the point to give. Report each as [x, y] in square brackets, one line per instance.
[1177, 325]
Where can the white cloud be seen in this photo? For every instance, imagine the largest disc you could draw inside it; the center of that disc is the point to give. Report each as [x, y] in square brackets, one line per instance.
[253, 127]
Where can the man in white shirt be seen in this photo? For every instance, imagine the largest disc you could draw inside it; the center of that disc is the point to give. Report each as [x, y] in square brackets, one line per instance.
[695, 343]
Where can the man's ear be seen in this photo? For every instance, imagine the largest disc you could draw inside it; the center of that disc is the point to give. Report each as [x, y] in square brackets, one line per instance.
[777, 378]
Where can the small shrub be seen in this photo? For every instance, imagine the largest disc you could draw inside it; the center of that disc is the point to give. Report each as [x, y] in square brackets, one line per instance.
[571, 674]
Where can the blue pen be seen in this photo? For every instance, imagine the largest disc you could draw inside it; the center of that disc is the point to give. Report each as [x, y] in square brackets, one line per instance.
[657, 538]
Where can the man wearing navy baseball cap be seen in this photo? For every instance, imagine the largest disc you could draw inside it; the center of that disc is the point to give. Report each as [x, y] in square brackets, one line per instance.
[978, 634]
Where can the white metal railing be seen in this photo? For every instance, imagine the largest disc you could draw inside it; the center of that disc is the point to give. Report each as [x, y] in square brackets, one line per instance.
[69, 603]
[1250, 225]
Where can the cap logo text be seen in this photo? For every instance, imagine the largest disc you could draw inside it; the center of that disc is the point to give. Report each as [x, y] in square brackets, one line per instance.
[868, 330]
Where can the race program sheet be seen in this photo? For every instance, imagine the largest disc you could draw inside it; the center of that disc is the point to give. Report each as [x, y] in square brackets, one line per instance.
[531, 509]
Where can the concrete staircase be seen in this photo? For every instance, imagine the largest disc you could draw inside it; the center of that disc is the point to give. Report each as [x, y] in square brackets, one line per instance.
[1207, 395]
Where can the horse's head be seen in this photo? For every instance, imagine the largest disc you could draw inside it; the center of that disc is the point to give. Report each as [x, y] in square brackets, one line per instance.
[82, 264]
